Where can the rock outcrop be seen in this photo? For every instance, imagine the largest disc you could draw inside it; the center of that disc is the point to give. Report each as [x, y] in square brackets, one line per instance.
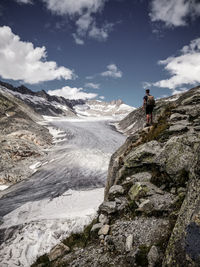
[151, 213]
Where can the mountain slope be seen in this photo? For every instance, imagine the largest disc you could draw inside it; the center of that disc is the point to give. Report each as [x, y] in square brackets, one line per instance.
[51, 105]
[150, 216]
[22, 139]
[41, 102]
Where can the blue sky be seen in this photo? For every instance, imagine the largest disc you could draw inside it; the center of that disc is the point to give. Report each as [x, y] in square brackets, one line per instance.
[103, 49]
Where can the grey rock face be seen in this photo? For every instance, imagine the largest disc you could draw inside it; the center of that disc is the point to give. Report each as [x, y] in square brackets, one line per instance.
[153, 256]
[115, 191]
[103, 219]
[178, 128]
[104, 230]
[108, 207]
[141, 177]
[178, 154]
[177, 117]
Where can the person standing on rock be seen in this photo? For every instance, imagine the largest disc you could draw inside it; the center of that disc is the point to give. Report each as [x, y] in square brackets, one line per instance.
[148, 105]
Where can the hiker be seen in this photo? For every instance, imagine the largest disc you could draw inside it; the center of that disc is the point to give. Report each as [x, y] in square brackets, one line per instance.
[148, 106]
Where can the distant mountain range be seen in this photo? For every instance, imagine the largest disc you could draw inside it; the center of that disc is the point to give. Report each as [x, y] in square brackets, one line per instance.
[23, 139]
[44, 104]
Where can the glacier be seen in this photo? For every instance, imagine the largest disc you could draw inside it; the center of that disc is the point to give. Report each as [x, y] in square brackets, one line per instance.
[63, 194]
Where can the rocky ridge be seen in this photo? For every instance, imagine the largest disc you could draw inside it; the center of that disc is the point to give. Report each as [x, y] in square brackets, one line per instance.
[51, 105]
[41, 102]
[150, 215]
[22, 140]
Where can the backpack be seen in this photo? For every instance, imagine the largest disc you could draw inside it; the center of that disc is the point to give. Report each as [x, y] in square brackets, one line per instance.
[150, 100]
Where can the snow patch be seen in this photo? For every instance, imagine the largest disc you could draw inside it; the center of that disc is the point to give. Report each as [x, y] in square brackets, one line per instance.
[35, 165]
[3, 187]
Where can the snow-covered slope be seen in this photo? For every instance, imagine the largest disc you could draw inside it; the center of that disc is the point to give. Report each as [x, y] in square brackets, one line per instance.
[95, 108]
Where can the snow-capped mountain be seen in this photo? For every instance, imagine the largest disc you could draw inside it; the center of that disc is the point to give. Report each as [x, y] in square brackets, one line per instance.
[52, 105]
[97, 108]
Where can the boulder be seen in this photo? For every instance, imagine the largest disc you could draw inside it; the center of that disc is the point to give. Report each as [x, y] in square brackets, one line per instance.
[115, 191]
[177, 117]
[104, 230]
[137, 191]
[178, 128]
[143, 189]
[141, 177]
[103, 219]
[108, 207]
[178, 154]
[144, 154]
[157, 203]
[153, 256]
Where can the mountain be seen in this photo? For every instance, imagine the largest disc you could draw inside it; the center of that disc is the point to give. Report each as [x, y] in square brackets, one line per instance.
[150, 215]
[22, 139]
[41, 102]
[95, 108]
[51, 105]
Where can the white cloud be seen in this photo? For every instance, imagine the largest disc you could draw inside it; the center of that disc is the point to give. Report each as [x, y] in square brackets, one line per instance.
[100, 34]
[184, 68]
[24, 1]
[146, 85]
[102, 97]
[83, 23]
[72, 93]
[19, 60]
[82, 11]
[179, 90]
[72, 7]
[77, 39]
[174, 12]
[112, 71]
[92, 85]
[90, 77]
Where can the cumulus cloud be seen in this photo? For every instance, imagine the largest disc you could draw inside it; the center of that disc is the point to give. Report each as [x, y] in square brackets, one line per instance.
[19, 60]
[24, 1]
[71, 7]
[183, 68]
[72, 93]
[82, 12]
[112, 71]
[174, 13]
[92, 85]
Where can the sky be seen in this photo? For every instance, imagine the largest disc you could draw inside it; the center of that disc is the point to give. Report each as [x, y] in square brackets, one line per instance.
[101, 49]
